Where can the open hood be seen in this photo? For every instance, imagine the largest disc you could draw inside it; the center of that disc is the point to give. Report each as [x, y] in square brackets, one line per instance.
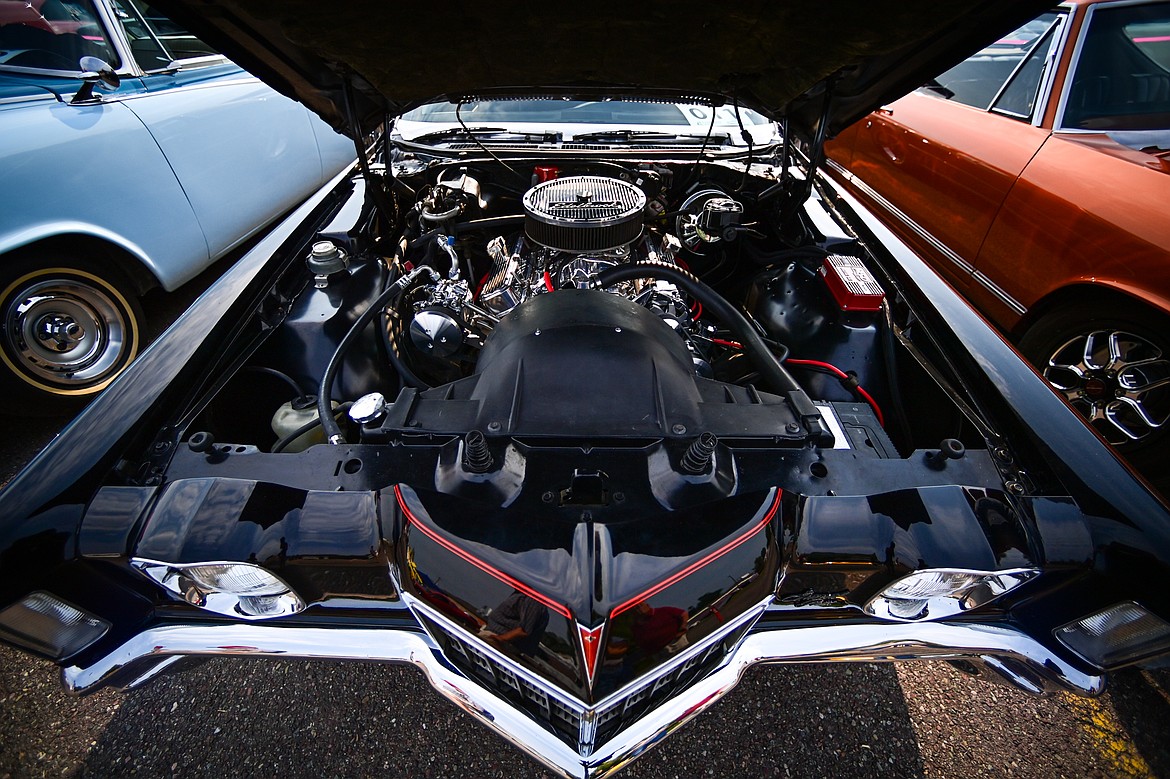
[772, 56]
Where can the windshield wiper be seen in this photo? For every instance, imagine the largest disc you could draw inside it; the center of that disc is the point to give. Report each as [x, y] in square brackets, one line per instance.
[494, 133]
[652, 136]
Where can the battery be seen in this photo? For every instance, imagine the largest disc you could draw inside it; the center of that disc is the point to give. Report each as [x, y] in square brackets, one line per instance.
[851, 284]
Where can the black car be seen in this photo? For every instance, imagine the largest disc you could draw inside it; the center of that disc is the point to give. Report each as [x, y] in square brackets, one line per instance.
[579, 409]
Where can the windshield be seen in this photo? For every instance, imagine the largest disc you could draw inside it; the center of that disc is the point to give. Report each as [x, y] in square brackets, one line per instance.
[51, 35]
[592, 120]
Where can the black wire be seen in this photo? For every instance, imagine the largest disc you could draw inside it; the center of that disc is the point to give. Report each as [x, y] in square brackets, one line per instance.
[747, 137]
[698, 173]
[706, 138]
[289, 380]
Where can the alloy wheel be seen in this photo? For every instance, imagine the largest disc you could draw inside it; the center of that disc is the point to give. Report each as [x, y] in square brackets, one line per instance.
[1120, 382]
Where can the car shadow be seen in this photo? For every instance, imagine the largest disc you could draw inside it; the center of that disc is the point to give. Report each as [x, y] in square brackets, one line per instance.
[1142, 704]
[314, 719]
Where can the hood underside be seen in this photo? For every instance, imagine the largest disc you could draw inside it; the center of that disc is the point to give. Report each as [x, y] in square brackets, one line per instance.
[771, 56]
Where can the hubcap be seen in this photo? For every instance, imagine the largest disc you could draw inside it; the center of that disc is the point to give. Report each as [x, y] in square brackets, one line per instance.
[66, 332]
[1118, 380]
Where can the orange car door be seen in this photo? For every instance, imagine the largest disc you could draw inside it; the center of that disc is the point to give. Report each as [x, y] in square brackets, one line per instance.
[942, 160]
[948, 167]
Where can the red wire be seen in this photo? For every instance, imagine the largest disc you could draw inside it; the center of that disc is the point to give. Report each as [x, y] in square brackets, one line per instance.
[696, 310]
[833, 369]
[840, 374]
[548, 283]
[479, 287]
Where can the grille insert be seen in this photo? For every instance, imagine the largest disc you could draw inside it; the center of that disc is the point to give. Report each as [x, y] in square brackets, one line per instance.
[578, 725]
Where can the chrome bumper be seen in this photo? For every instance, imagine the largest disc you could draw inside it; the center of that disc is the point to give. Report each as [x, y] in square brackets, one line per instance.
[1014, 655]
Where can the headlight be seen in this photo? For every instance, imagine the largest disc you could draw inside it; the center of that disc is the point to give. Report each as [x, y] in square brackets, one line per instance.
[45, 624]
[1121, 634]
[234, 589]
[943, 592]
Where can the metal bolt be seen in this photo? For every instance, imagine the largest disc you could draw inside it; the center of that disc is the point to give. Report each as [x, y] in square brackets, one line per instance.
[537, 333]
[1014, 487]
[494, 426]
[619, 497]
[678, 429]
[1003, 454]
[617, 329]
[548, 497]
[792, 427]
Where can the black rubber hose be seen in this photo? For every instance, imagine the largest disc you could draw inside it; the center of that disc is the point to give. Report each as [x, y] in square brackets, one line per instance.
[777, 375]
[332, 430]
[283, 443]
[408, 376]
[770, 368]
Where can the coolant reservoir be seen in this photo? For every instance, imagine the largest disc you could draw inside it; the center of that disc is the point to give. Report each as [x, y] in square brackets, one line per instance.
[294, 415]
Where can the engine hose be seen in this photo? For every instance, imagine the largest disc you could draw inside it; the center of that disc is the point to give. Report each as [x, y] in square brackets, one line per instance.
[771, 368]
[409, 377]
[324, 412]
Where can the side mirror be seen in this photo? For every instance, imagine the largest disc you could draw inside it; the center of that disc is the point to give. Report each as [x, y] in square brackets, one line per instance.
[94, 70]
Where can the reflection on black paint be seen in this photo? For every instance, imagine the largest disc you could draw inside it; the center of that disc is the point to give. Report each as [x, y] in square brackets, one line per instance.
[519, 621]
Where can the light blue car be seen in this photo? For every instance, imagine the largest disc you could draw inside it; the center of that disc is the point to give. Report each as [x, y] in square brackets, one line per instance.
[132, 156]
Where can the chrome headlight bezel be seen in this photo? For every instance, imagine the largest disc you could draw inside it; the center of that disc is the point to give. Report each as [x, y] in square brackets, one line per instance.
[232, 588]
[937, 593]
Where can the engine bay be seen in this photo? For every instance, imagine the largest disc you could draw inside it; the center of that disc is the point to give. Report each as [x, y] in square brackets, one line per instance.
[586, 305]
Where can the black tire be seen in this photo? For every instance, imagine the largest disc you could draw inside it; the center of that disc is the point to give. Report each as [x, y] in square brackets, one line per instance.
[1112, 362]
[68, 327]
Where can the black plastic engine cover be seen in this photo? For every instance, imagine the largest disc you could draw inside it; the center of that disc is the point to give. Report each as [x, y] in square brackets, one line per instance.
[584, 363]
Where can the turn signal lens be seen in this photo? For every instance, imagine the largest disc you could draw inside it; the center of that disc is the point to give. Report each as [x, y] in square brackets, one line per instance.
[1118, 635]
[49, 626]
[234, 589]
[941, 592]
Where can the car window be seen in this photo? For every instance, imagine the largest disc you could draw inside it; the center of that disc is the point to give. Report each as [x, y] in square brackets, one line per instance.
[583, 112]
[1007, 73]
[156, 41]
[1018, 97]
[1122, 76]
[52, 35]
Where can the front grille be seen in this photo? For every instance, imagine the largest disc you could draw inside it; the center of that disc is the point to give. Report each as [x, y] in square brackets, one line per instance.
[622, 710]
[570, 720]
[563, 717]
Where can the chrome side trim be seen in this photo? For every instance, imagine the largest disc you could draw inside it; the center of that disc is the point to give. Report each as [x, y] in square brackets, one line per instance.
[1018, 308]
[1024, 656]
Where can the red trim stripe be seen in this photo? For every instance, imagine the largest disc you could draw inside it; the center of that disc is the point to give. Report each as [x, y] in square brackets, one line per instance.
[685, 572]
[450, 546]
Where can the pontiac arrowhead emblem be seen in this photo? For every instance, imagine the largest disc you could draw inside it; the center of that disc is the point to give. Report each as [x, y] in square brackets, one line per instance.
[590, 644]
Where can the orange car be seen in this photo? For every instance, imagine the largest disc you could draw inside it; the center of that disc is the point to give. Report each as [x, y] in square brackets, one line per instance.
[1035, 176]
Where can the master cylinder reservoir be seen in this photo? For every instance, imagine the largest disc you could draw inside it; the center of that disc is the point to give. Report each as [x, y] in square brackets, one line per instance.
[294, 415]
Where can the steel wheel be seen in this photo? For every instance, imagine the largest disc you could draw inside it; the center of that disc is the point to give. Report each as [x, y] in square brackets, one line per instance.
[67, 331]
